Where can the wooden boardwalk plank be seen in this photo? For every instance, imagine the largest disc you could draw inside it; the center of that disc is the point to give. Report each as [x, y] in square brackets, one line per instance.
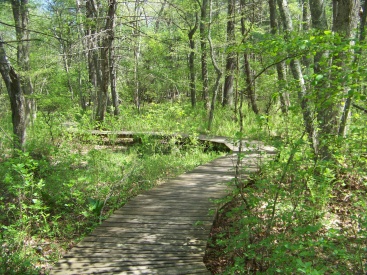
[161, 231]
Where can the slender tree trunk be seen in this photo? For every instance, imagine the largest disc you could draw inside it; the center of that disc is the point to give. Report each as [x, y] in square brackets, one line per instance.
[231, 56]
[192, 62]
[136, 35]
[319, 22]
[247, 69]
[249, 84]
[345, 23]
[203, 46]
[63, 32]
[21, 18]
[280, 67]
[107, 42]
[14, 87]
[159, 16]
[305, 27]
[305, 16]
[113, 79]
[92, 42]
[296, 70]
[83, 56]
[342, 131]
[325, 97]
[67, 70]
[65, 51]
[217, 70]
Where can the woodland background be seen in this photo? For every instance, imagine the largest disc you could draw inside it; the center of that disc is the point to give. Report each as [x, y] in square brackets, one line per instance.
[289, 73]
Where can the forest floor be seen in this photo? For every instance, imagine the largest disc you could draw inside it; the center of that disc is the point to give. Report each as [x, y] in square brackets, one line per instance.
[339, 216]
[215, 259]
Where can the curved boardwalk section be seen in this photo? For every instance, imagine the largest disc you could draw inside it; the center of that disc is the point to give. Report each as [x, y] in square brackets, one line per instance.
[161, 231]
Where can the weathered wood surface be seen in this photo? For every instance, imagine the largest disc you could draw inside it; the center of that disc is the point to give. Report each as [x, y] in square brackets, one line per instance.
[161, 231]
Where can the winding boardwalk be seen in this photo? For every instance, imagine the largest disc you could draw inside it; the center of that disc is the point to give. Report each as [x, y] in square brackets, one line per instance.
[161, 231]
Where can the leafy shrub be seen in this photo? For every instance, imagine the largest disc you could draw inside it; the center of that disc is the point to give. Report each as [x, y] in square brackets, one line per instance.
[298, 216]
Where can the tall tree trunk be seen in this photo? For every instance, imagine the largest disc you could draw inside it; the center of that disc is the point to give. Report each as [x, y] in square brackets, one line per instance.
[136, 42]
[92, 42]
[231, 56]
[325, 100]
[217, 70]
[305, 27]
[298, 75]
[21, 19]
[280, 67]
[305, 16]
[203, 46]
[192, 62]
[14, 87]
[345, 23]
[65, 51]
[159, 16]
[249, 84]
[83, 56]
[107, 42]
[247, 69]
[113, 79]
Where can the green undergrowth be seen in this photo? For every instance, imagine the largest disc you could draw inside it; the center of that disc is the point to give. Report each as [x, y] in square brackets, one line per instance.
[63, 186]
[180, 117]
[69, 180]
[297, 215]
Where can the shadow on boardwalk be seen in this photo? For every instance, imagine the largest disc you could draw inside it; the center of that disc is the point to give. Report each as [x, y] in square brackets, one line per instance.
[161, 231]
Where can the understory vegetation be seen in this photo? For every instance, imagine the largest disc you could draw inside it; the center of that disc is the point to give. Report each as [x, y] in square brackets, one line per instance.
[69, 181]
[297, 215]
[291, 74]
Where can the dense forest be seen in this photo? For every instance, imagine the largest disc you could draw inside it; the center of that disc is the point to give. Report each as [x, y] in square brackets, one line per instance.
[289, 73]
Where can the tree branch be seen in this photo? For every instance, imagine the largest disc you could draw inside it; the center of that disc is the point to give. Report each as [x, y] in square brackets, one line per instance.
[42, 33]
[359, 108]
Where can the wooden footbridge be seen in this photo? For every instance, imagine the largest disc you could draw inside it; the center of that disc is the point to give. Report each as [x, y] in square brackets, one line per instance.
[164, 230]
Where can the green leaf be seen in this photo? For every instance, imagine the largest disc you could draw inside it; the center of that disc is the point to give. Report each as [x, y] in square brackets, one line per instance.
[319, 77]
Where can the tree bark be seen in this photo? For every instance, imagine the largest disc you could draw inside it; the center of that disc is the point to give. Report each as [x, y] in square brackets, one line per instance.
[345, 17]
[14, 87]
[113, 60]
[217, 70]
[192, 62]
[21, 19]
[305, 27]
[83, 55]
[325, 104]
[136, 34]
[247, 68]
[93, 65]
[280, 67]
[296, 70]
[231, 56]
[107, 42]
[249, 84]
[157, 22]
[203, 46]
[342, 131]
[113, 79]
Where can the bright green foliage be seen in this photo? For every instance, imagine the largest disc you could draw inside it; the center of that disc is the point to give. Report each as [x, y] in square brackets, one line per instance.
[301, 217]
[54, 194]
[304, 214]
